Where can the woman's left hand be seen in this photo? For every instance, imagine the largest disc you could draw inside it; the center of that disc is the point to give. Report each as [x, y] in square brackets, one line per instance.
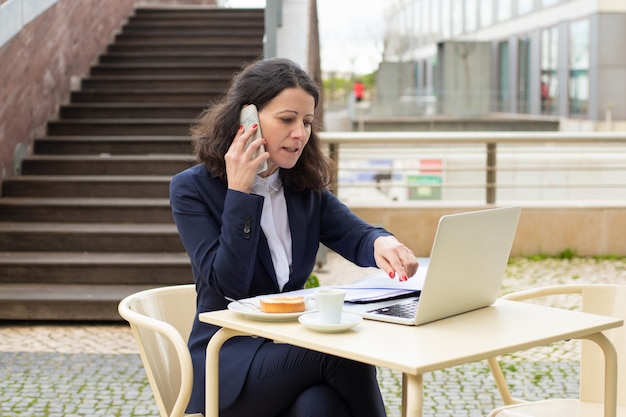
[394, 258]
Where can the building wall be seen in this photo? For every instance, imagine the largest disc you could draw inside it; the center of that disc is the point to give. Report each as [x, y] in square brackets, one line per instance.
[39, 62]
[465, 78]
[293, 32]
[609, 66]
[588, 231]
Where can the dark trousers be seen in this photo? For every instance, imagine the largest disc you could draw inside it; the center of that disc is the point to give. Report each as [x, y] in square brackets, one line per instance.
[287, 381]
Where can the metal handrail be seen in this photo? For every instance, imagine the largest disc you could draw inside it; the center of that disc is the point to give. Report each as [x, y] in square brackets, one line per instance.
[557, 141]
[415, 138]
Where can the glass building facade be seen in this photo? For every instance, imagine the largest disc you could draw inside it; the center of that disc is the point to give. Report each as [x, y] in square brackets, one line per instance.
[560, 58]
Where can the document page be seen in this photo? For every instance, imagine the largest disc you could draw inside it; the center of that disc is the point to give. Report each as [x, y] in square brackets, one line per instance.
[379, 286]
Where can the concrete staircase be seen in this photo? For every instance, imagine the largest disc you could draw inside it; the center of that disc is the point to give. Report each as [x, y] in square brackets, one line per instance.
[88, 221]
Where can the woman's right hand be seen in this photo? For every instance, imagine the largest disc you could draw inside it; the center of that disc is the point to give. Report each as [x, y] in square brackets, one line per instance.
[241, 168]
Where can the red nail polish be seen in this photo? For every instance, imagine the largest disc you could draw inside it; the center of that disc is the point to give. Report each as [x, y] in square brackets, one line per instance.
[254, 126]
[240, 127]
[391, 274]
[405, 278]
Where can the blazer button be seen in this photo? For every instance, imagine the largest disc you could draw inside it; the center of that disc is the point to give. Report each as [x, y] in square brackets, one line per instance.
[247, 228]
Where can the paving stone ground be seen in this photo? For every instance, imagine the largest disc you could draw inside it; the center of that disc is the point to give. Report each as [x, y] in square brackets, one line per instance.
[79, 369]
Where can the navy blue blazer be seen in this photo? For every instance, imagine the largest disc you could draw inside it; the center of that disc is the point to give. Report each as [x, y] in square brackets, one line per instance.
[230, 256]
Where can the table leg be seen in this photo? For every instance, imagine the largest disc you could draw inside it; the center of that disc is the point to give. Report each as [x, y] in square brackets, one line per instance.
[412, 395]
[610, 372]
[212, 369]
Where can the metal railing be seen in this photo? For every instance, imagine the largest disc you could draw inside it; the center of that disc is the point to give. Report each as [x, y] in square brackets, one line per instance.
[486, 167]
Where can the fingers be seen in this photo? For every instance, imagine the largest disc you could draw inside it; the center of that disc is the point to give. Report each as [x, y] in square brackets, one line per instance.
[241, 163]
[402, 267]
[393, 269]
[242, 137]
[394, 258]
[243, 148]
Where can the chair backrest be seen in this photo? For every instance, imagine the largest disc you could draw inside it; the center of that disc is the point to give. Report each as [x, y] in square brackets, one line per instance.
[161, 321]
[606, 300]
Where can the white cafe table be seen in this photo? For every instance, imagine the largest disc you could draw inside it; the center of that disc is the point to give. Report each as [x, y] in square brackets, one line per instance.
[504, 327]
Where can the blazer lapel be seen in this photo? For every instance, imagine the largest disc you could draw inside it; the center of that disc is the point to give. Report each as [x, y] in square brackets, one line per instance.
[297, 223]
[266, 258]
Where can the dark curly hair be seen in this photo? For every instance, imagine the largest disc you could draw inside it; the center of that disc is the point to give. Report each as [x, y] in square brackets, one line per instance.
[258, 84]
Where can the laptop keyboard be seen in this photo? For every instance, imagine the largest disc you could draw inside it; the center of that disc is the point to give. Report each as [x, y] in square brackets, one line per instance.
[404, 310]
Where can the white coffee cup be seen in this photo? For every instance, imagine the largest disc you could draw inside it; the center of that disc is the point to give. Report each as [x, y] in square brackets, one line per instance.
[329, 303]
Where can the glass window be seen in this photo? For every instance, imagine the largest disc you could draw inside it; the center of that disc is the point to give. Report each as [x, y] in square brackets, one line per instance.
[524, 6]
[392, 36]
[504, 10]
[579, 68]
[436, 19]
[416, 22]
[486, 13]
[546, 3]
[549, 59]
[470, 15]
[420, 31]
[426, 30]
[445, 19]
[457, 17]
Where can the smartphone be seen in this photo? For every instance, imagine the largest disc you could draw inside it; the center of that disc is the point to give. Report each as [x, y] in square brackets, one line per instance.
[248, 117]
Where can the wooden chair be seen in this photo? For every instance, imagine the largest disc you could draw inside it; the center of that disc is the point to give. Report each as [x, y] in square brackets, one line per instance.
[161, 320]
[608, 300]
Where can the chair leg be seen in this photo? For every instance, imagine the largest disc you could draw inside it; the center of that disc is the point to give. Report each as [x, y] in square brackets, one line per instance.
[503, 388]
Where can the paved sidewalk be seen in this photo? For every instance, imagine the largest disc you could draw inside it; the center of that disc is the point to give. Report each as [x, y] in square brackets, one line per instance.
[77, 369]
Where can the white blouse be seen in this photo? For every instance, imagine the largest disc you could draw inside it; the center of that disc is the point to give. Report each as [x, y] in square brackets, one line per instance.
[275, 224]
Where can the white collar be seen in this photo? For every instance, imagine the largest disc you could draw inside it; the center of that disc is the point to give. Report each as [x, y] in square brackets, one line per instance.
[272, 182]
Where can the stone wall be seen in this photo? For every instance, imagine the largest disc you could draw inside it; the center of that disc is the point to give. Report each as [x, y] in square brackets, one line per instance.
[38, 64]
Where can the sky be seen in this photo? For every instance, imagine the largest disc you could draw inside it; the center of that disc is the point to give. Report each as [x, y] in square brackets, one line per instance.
[351, 33]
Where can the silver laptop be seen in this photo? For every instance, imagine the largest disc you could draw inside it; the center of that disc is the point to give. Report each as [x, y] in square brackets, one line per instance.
[465, 270]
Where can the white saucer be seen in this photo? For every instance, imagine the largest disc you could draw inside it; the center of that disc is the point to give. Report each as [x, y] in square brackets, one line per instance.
[259, 315]
[348, 321]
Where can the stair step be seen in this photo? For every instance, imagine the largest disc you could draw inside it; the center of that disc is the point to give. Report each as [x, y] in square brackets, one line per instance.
[91, 186]
[131, 110]
[126, 127]
[147, 96]
[112, 145]
[162, 82]
[95, 268]
[184, 26]
[85, 210]
[167, 68]
[176, 37]
[89, 237]
[106, 164]
[186, 47]
[252, 14]
[191, 22]
[193, 32]
[240, 55]
[95, 302]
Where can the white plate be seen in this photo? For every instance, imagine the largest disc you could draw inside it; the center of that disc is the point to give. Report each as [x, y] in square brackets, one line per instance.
[348, 321]
[259, 315]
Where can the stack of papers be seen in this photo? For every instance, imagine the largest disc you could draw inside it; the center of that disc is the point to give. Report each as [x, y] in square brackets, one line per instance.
[379, 286]
[372, 288]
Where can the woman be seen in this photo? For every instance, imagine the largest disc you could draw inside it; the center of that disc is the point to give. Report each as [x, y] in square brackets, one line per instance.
[249, 234]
